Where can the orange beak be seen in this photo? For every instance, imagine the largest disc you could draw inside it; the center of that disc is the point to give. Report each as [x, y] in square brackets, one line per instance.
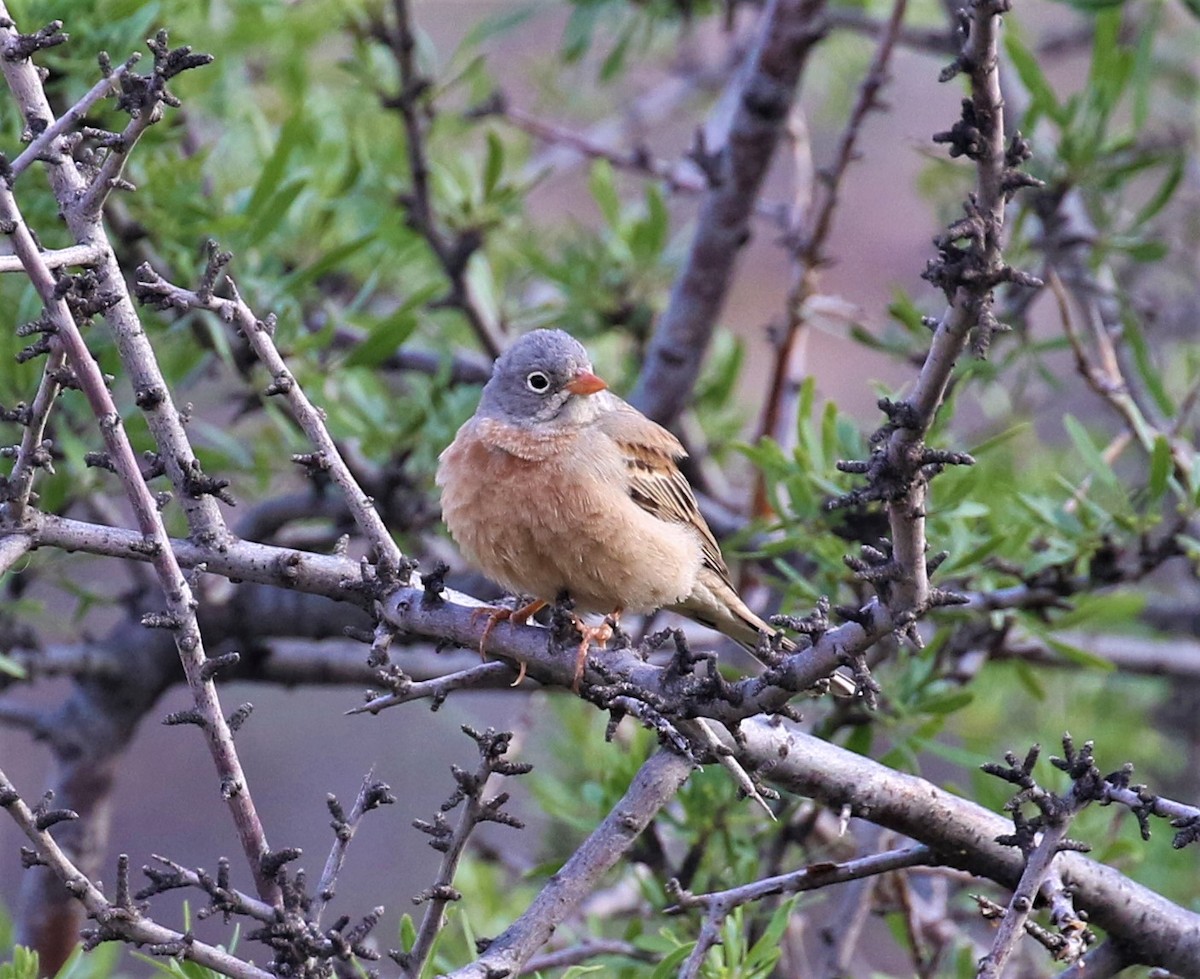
[585, 383]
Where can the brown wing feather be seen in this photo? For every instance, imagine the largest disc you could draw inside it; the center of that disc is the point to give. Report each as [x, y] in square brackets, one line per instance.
[655, 482]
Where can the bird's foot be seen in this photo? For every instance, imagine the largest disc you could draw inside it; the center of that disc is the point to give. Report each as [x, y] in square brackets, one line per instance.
[599, 634]
[497, 615]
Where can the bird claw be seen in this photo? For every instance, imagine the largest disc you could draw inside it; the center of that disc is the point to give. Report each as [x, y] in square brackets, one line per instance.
[496, 615]
[599, 634]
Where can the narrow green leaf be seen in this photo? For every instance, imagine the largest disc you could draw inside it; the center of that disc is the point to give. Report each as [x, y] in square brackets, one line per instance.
[946, 703]
[669, 966]
[493, 165]
[614, 61]
[272, 173]
[272, 213]
[1162, 196]
[1148, 371]
[331, 259]
[499, 23]
[1088, 451]
[1160, 468]
[1081, 657]
[604, 192]
[1042, 98]
[577, 35]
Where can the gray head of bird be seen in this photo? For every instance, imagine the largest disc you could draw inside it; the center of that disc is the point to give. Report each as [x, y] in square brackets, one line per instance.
[543, 378]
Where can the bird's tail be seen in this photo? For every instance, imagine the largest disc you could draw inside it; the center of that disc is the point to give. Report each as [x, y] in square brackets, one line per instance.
[728, 614]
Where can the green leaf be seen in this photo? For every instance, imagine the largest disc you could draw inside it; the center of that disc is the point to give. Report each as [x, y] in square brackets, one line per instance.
[330, 259]
[10, 667]
[669, 966]
[22, 965]
[614, 61]
[945, 703]
[499, 23]
[271, 175]
[1028, 677]
[275, 210]
[1165, 191]
[1090, 454]
[408, 932]
[604, 192]
[1042, 99]
[577, 35]
[1141, 251]
[1147, 370]
[493, 165]
[1160, 468]
[1080, 657]
[1095, 612]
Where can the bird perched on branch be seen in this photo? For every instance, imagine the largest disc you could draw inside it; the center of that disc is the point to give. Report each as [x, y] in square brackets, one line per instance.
[555, 485]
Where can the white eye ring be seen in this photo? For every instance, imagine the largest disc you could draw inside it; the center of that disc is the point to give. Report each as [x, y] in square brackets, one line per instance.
[537, 382]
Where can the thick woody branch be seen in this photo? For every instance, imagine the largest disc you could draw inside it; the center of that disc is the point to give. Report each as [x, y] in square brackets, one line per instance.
[1150, 928]
[673, 359]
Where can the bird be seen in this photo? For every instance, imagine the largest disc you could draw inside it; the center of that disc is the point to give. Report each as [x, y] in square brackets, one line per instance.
[556, 486]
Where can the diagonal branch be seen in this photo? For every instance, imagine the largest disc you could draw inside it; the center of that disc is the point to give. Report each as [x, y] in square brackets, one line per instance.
[790, 30]
[151, 392]
[653, 787]
[180, 616]
[259, 334]
[116, 920]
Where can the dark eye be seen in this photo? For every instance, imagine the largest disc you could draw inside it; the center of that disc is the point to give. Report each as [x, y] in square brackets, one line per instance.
[537, 381]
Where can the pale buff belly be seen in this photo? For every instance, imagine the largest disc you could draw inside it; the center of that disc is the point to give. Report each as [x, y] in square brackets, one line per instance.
[539, 530]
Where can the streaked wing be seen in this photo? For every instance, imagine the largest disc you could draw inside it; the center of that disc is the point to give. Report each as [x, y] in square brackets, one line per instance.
[651, 456]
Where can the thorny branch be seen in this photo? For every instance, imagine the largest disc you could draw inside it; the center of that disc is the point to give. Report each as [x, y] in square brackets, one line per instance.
[1040, 840]
[451, 843]
[901, 465]
[121, 920]
[180, 616]
[151, 287]
[371, 795]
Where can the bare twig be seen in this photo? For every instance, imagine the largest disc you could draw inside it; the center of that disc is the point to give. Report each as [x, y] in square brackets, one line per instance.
[119, 920]
[258, 333]
[43, 141]
[180, 616]
[451, 843]
[34, 452]
[452, 252]
[57, 258]
[371, 795]
[810, 231]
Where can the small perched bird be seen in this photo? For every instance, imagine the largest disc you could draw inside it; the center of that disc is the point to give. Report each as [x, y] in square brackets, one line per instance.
[555, 485]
